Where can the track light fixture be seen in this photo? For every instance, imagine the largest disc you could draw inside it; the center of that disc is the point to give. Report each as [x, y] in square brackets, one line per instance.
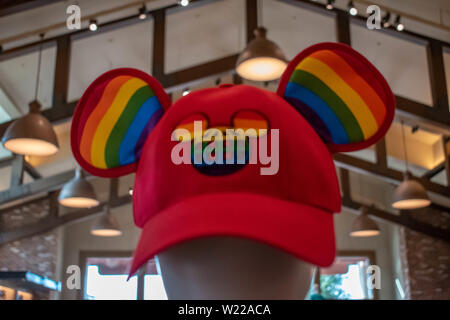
[184, 3]
[93, 26]
[143, 12]
[329, 4]
[352, 9]
[398, 25]
[386, 20]
[186, 92]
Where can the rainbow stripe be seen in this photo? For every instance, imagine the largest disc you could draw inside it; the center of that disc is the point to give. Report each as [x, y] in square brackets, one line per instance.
[336, 98]
[124, 112]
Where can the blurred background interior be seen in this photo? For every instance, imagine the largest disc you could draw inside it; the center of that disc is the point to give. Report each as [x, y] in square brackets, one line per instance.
[53, 215]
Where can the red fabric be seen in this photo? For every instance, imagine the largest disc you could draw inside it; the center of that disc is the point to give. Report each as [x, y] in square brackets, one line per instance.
[306, 182]
[301, 230]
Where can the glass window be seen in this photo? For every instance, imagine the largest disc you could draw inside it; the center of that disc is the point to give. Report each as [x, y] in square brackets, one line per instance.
[106, 279]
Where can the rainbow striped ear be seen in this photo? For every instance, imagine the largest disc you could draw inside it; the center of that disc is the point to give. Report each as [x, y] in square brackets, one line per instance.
[341, 94]
[113, 119]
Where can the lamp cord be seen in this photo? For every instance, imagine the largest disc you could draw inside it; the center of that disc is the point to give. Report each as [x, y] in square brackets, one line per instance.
[38, 68]
[404, 147]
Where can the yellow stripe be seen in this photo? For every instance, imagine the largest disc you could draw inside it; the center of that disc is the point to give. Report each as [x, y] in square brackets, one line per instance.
[109, 120]
[351, 98]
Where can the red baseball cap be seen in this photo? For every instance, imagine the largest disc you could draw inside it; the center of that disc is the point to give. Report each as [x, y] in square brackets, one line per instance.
[330, 99]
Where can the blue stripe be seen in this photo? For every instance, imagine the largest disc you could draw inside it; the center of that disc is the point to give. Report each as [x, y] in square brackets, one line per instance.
[321, 108]
[127, 146]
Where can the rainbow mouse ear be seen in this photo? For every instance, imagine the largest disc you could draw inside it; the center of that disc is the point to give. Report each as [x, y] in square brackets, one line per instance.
[341, 94]
[113, 119]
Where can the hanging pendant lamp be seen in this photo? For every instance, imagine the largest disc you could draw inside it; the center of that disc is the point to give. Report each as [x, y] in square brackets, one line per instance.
[106, 225]
[410, 194]
[262, 59]
[32, 134]
[364, 226]
[78, 192]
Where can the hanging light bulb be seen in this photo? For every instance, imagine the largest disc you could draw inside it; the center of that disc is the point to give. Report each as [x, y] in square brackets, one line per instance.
[410, 194]
[93, 26]
[143, 12]
[386, 20]
[106, 225]
[364, 226]
[78, 192]
[329, 4]
[262, 59]
[398, 25]
[352, 9]
[32, 134]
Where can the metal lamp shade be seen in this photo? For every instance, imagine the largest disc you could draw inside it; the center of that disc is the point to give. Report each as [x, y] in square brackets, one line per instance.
[106, 226]
[410, 194]
[32, 134]
[262, 59]
[363, 226]
[78, 193]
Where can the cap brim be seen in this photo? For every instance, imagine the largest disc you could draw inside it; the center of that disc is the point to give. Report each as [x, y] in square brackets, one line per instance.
[304, 231]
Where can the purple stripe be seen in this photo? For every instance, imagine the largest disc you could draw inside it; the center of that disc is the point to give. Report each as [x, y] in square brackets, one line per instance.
[312, 118]
[151, 124]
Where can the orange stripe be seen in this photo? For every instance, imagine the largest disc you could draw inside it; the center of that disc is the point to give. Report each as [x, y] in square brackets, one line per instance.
[97, 114]
[354, 80]
[250, 123]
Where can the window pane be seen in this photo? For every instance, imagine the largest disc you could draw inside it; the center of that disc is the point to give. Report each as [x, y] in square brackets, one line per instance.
[154, 288]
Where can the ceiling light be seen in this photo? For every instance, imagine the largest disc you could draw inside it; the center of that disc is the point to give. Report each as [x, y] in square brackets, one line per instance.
[385, 20]
[329, 4]
[364, 226]
[106, 225]
[184, 3]
[93, 25]
[130, 191]
[398, 25]
[262, 59]
[410, 194]
[186, 92]
[143, 12]
[352, 9]
[32, 134]
[78, 192]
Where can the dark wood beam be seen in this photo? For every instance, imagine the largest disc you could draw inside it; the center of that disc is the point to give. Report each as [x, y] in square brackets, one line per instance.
[380, 153]
[403, 220]
[387, 174]
[62, 69]
[8, 7]
[446, 146]
[38, 186]
[52, 222]
[32, 171]
[17, 169]
[159, 40]
[435, 171]
[343, 27]
[200, 71]
[436, 69]
[251, 10]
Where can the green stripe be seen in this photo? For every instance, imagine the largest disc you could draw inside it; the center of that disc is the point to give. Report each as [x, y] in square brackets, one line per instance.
[338, 106]
[121, 127]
